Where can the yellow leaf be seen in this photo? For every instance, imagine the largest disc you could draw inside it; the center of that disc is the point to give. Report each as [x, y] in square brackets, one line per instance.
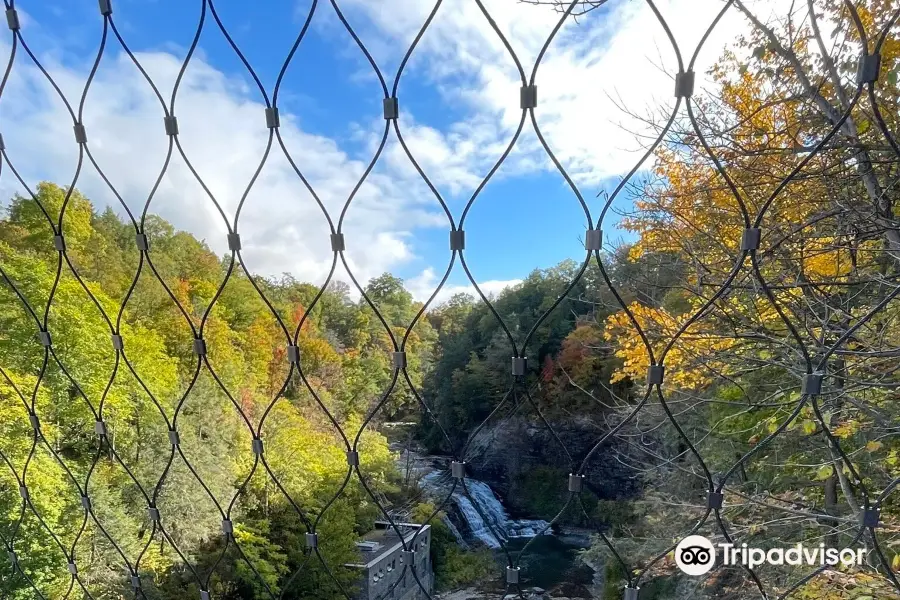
[845, 430]
[874, 446]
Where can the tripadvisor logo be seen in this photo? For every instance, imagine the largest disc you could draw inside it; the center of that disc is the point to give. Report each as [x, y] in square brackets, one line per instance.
[696, 555]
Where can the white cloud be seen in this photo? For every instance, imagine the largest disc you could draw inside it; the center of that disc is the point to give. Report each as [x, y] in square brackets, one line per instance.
[597, 80]
[424, 284]
[616, 59]
[610, 53]
[223, 133]
[620, 52]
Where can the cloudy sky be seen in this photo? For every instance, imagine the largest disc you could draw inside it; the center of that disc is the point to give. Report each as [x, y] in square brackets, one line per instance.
[459, 106]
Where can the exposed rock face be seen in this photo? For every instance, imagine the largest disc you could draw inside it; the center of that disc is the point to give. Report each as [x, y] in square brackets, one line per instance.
[504, 454]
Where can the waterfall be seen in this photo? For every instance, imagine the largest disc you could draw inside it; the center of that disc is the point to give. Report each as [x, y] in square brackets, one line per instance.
[477, 527]
[489, 520]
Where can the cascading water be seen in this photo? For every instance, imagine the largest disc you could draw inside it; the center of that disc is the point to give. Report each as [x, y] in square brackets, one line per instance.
[485, 521]
[488, 520]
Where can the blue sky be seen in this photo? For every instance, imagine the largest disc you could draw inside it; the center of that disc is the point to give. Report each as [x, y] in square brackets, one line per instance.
[458, 103]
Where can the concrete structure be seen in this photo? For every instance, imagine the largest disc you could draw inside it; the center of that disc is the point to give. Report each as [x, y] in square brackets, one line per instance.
[382, 562]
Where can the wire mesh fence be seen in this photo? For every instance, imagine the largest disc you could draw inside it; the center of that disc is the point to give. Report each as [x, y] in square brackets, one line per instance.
[748, 254]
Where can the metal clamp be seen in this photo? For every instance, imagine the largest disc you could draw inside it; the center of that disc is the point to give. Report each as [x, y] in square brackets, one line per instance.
[812, 384]
[337, 242]
[293, 354]
[593, 240]
[105, 8]
[457, 239]
[684, 84]
[870, 517]
[257, 446]
[457, 469]
[117, 342]
[45, 339]
[171, 123]
[353, 458]
[528, 96]
[312, 540]
[142, 242]
[398, 360]
[518, 365]
[750, 238]
[869, 68]
[655, 374]
[80, 133]
[391, 108]
[714, 500]
[273, 121]
[234, 241]
[576, 483]
[12, 19]
[512, 574]
[59, 242]
[199, 346]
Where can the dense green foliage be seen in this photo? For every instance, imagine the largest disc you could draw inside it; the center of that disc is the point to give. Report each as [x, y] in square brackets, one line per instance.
[471, 371]
[345, 360]
[457, 355]
[578, 361]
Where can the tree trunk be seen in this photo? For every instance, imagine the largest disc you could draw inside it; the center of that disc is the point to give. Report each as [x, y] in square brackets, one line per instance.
[831, 507]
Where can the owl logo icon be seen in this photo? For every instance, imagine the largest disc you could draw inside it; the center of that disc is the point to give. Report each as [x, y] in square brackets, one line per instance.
[695, 555]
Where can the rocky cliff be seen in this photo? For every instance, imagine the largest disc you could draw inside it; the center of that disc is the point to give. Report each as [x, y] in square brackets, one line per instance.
[527, 466]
